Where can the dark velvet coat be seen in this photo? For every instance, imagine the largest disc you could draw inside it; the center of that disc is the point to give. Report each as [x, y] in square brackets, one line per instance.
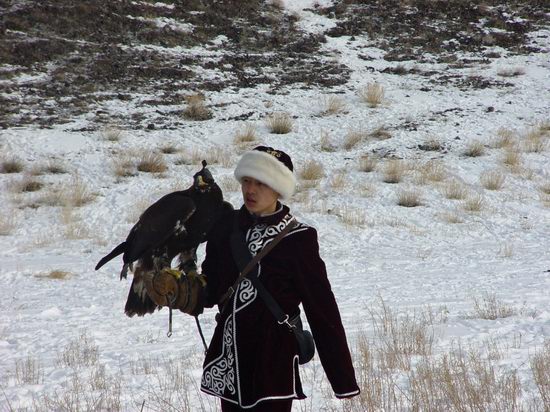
[252, 358]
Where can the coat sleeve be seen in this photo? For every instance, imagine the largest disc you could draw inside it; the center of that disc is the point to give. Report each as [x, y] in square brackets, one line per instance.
[324, 318]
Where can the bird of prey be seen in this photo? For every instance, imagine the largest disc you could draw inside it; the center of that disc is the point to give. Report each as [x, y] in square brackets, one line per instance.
[174, 225]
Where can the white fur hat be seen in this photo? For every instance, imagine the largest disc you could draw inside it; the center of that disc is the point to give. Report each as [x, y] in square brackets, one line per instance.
[271, 167]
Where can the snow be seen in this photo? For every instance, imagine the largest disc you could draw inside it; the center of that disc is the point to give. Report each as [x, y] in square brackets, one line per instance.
[411, 258]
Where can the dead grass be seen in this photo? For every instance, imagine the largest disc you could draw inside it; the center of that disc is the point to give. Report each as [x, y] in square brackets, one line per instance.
[372, 94]
[431, 144]
[8, 222]
[333, 105]
[511, 71]
[214, 155]
[431, 171]
[279, 123]
[25, 184]
[246, 135]
[534, 141]
[474, 149]
[52, 167]
[312, 170]
[79, 352]
[452, 217]
[505, 138]
[460, 381]
[73, 226]
[111, 133]
[512, 157]
[492, 180]
[474, 203]
[325, 143]
[408, 198]
[77, 193]
[393, 171]
[57, 275]
[196, 108]
[29, 371]
[544, 188]
[352, 217]
[168, 148]
[338, 180]
[228, 184]
[455, 190]
[11, 165]
[540, 366]
[367, 163]
[151, 162]
[353, 138]
[124, 166]
[489, 307]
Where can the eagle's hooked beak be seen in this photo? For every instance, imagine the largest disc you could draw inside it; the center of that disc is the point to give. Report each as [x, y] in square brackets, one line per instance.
[201, 181]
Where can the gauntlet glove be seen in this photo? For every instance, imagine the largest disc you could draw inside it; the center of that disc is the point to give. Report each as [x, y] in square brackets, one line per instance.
[171, 287]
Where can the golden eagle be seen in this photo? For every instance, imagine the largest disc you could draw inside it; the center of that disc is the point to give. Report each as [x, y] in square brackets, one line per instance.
[176, 224]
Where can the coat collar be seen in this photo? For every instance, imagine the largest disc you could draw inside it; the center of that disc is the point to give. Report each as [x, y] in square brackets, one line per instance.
[247, 219]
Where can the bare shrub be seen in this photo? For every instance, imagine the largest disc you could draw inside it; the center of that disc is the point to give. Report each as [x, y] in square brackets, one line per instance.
[11, 165]
[474, 149]
[490, 308]
[29, 371]
[540, 366]
[79, 352]
[505, 138]
[367, 163]
[353, 138]
[372, 94]
[454, 190]
[312, 170]
[492, 180]
[111, 133]
[333, 105]
[473, 203]
[196, 108]
[408, 198]
[511, 71]
[150, 162]
[279, 123]
[460, 381]
[393, 171]
[246, 135]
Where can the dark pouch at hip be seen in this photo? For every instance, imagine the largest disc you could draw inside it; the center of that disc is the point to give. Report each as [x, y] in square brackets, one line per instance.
[306, 346]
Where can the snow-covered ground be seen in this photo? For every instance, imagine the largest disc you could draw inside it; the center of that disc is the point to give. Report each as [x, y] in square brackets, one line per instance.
[437, 254]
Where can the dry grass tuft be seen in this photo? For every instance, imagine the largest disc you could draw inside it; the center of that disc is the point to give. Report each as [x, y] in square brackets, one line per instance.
[338, 180]
[246, 135]
[111, 133]
[452, 217]
[26, 184]
[545, 188]
[312, 170]
[229, 184]
[505, 138]
[333, 105]
[512, 158]
[77, 194]
[279, 123]
[408, 198]
[196, 108]
[367, 163]
[474, 149]
[372, 94]
[492, 180]
[168, 148]
[124, 166]
[432, 171]
[535, 141]
[55, 274]
[79, 352]
[474, 203]
[393, 171]
[353, 138]
[352, 217]
[8, 222]
[540, 366]
[151, 163]
[325, 143]
[511, 71]
[213, 155]
[431, 144]
[11, 165]
[490, 308]
[74, 227]
[455, 190]
[29, 371]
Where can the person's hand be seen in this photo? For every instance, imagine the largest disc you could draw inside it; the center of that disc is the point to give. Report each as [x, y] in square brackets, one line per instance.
[162, 287]
[190, 298]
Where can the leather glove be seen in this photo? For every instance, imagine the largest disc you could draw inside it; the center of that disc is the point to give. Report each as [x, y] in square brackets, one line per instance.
[171, 287]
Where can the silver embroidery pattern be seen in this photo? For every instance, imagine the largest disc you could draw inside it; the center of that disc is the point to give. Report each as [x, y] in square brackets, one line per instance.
[220, 375]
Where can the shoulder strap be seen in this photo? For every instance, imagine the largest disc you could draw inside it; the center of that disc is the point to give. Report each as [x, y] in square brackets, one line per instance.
[244, 261]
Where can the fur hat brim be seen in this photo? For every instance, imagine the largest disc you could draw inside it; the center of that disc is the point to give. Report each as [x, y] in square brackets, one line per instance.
[268, 170]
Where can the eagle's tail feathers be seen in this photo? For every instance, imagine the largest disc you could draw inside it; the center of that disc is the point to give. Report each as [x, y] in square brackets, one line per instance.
[114, 253]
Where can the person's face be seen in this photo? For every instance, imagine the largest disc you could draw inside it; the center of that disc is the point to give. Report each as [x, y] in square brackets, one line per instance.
[258, 197]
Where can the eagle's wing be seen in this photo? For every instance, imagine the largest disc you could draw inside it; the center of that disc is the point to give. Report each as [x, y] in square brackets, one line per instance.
[162, 219]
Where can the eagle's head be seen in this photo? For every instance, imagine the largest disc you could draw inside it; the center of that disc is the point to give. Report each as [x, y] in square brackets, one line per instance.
[203, 180]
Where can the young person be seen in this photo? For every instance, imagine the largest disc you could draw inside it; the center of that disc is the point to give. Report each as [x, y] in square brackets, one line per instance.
[252, 360]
